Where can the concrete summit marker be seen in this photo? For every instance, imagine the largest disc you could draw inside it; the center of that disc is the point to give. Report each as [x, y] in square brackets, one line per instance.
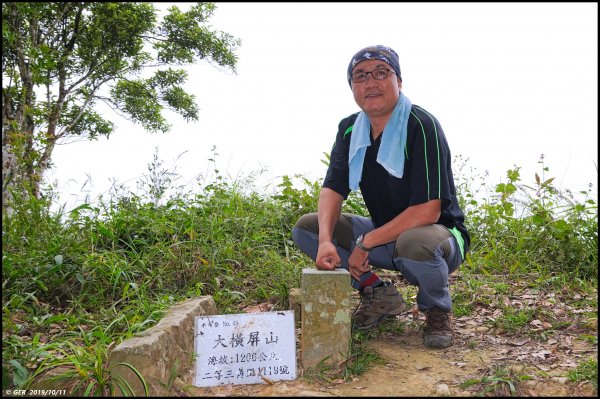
[246, 348]
[326, 316]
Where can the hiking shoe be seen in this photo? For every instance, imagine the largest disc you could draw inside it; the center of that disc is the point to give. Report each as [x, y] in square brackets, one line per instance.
[376, 304]
[438, 332]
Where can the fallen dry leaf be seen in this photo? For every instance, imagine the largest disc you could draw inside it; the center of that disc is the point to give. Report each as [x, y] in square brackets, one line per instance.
[261, 307]
[536, 323]
[520, 343]
[542, 354]
[267, 380]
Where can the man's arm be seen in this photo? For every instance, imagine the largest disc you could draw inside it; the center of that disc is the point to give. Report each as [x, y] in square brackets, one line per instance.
[413, 216]
[330, 209]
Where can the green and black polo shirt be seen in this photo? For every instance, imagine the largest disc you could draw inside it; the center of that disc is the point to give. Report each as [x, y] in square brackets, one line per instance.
[427, 173]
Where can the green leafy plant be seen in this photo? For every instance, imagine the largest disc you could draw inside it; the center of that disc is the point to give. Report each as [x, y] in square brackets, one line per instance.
[322, 371]
[517, 227]
[586, 371]
[502, 382]
[513, 320]
[85, 372]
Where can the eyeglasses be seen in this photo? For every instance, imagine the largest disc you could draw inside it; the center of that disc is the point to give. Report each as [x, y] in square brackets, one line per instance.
[377, 74]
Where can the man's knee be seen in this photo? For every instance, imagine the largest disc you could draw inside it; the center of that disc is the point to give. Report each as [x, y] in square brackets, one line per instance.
[423, 243]
[308, 222]
[305, 231]
[343, 232]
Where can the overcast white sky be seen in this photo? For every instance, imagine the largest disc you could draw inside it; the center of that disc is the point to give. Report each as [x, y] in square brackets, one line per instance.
[507, 81]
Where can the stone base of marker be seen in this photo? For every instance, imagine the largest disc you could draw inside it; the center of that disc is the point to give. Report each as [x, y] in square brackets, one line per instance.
[326, 316]
[161, 352]
[295, 301]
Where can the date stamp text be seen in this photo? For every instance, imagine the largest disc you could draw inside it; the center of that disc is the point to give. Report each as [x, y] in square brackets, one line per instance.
[34, 392]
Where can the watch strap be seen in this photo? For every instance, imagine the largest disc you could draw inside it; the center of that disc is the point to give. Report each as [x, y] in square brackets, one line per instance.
[359, 243]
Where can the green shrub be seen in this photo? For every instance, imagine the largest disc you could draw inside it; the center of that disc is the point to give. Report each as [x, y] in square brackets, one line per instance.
[105, 270]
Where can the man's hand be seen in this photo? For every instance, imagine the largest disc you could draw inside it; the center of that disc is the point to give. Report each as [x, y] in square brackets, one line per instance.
[327, 256]
[358, 263]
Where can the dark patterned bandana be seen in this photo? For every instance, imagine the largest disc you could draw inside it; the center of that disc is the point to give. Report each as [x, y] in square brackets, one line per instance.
[378, 52]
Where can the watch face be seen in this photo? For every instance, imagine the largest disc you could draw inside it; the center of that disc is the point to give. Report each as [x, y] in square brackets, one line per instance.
[359, 243]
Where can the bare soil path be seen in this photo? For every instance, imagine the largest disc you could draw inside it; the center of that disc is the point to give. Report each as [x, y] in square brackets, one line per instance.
[484, 361]
[411, 369]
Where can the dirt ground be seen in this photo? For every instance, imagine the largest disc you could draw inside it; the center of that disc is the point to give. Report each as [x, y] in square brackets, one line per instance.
[411, 369]
[484, 361]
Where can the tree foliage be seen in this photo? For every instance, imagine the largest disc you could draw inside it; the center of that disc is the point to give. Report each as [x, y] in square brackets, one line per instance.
[59, 60]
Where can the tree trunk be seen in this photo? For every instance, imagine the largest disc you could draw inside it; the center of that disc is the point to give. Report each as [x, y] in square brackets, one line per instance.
[23, 164]
[9, 170]
[21, 161]
[16, 178]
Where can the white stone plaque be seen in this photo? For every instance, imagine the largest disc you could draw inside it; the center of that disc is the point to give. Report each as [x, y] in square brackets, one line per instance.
[245, 348]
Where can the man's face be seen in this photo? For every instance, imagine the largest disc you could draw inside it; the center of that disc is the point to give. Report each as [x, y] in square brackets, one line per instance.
[376, 97]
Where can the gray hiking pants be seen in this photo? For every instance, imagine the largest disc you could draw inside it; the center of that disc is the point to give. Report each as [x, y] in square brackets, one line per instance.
[424, 255]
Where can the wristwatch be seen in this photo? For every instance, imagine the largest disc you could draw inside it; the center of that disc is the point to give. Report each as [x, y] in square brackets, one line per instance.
[359, 243]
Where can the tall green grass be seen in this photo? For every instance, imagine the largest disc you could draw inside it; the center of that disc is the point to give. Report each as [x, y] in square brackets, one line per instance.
[523, 227]
[97, 274]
